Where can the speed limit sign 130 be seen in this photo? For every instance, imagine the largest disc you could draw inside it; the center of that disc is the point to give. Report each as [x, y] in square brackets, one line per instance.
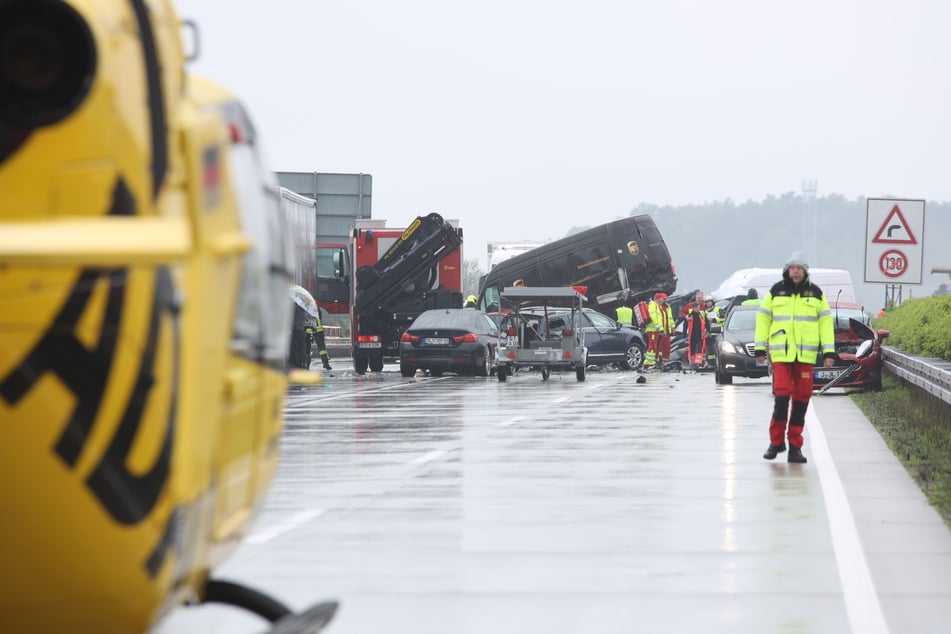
[894, 233]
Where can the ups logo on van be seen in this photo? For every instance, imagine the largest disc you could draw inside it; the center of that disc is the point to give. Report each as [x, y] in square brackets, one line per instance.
[632, 247]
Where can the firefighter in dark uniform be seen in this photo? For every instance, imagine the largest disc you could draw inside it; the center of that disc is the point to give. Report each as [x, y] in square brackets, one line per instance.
[305, 331]
[299, 356]
[322, 344]
[794, 325]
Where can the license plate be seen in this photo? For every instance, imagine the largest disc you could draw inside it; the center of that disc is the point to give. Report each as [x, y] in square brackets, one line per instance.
[511, 341]
[827, 375]
[370, 344]
[436, 341]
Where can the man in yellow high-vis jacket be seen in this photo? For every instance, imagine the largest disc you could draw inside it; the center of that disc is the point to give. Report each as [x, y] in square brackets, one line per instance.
[659, 329]
[795, 325]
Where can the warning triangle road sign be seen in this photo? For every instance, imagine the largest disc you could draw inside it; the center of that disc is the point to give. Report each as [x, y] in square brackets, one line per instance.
[895, 230]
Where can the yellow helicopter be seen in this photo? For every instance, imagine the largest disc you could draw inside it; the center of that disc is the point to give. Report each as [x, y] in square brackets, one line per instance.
[144, 323]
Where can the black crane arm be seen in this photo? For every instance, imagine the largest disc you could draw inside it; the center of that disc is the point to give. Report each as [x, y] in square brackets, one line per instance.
[425, 242]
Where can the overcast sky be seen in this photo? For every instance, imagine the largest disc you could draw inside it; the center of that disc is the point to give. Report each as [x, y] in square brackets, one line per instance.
[524, 119]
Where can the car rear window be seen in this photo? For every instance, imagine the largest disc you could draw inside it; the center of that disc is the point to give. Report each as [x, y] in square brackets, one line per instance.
[446, 318]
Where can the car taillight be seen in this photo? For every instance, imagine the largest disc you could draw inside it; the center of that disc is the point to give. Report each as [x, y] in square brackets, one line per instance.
[368, 338]
[408, 338]
[469, 337]
[567, 332]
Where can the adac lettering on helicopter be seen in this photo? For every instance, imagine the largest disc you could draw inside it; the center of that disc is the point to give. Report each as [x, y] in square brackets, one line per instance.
[88, 372]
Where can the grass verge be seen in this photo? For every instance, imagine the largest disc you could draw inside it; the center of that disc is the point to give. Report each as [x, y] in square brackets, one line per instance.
[917, 427]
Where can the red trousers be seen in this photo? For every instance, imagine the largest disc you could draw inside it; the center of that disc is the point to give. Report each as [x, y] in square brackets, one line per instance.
[658, 347]
[791, 381]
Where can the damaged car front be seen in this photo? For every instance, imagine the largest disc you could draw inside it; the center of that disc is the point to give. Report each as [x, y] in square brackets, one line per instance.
[858, 362]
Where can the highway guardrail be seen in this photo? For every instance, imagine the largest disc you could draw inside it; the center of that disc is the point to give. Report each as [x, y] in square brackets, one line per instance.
[931, 375]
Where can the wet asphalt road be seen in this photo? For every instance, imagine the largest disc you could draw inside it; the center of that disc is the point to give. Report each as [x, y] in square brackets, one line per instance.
[459, 504]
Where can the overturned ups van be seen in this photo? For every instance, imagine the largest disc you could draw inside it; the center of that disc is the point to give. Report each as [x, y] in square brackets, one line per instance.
[619, 262]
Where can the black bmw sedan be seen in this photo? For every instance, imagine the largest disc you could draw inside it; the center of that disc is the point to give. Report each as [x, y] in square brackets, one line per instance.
[459, 340]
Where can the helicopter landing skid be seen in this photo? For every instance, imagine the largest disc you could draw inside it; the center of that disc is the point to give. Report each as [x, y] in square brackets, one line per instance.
[310, 621]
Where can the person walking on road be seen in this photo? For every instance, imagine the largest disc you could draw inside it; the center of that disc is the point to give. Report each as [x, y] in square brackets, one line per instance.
[794, 325]
[659, 329]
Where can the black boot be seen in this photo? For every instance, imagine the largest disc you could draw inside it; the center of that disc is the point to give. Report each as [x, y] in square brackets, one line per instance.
[795, 455]
[772, 450]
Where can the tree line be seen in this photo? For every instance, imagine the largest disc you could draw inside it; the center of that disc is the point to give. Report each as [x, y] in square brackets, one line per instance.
[708, 242]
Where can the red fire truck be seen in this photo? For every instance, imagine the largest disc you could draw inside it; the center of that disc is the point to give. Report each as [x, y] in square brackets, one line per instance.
[392, 276]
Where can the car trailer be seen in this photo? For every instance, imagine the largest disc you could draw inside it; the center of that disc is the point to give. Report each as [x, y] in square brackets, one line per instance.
[526, 344]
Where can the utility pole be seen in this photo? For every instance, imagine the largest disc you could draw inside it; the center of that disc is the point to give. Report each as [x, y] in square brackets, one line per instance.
[809, 220]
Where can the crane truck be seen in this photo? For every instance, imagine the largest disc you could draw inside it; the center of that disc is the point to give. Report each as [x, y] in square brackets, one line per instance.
[397, 274]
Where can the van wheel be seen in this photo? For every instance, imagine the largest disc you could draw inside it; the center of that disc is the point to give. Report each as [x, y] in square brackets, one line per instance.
[502, 373]
[360, 365]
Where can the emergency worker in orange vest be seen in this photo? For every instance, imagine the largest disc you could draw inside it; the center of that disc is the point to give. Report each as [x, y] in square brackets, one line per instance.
[659, 329]
[698, 328]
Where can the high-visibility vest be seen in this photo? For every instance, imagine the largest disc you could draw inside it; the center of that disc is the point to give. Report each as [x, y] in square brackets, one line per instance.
[794, 325]
[625, 314]
[662, 320]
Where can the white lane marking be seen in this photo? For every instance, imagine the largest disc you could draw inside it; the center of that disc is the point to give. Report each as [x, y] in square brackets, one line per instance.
[294, 521]
[511, 421]
[562, 399]
[858, 589]
[428, 457]
[356, 392]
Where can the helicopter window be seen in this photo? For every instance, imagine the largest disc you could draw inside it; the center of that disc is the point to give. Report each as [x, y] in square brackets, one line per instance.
[263, 316]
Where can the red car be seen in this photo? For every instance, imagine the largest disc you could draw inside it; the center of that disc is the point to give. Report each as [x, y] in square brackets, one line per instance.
[858, 349]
